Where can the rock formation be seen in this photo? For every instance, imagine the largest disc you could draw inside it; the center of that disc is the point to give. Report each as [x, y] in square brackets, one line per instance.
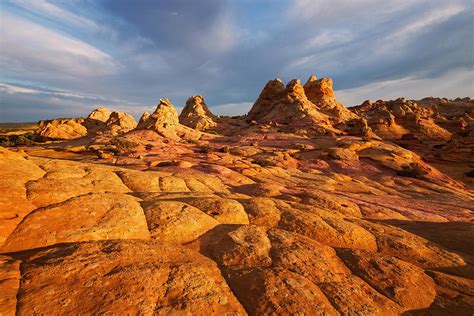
[62, 128]
[303, 209]
[395, 119]
[99, 121]
[165, 121]
[100, 114]
[196, 114]
[288, 106]
[321, 93]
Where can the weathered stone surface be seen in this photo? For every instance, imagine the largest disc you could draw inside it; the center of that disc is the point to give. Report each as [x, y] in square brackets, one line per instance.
[9, 284]
[176, 222]
[353, 296]
[65, 180]
[62, 128]
[196, 114]
[330, 231]
[89, 217]
[100, 114]
[122, 277]
[225, 211]
[311, 259]
[263, 291]
[165, 121]
[15, 172]
[400, 281]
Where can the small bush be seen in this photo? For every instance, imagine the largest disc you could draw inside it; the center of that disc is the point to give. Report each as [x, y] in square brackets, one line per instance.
[225, 149]
[123, 145]
[149, 146]
[203, 149]
[413, 170]
[261, 162]
[22, 140]
[214, 132]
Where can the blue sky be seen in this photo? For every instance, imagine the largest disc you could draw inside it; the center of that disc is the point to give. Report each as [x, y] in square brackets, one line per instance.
[64, 58]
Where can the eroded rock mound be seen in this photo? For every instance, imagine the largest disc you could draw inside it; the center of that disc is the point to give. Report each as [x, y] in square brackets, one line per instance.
[402, 118]
[288, 106]
[321, 93]
[123, 277]
[99, 122]
[62, 128]
[196, 114]
[165, 121]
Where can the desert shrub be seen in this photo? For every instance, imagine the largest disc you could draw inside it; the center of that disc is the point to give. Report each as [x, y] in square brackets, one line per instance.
[192, 141]
[225, 149]
[122, 145]
[22, 140]
[214, 132]
[203, 149]
[261, 162]
[413, 170]
[470, 174]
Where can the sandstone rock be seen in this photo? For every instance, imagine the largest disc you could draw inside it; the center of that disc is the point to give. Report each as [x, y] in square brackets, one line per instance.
[120, 122]
[355, 297]
[87, 217]
[400, 281]
[70, 180]
[288, 106]
[411, 248]
[246, 246]
[123, 277]
[262, 211]
[311, 259]
[15, 172]
[335, 232]
[225, 211]
[164, 121]
[278, 291]
[62, 128]
[100, 114]
[9, 284]
[196, 114]
[337, 153]
[321, 93]
[176, 222]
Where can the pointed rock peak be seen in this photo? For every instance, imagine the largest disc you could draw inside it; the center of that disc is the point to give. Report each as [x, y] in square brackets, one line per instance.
[101, 114]
[196, 114]
[144, 116]
[318, 87]
[196, 106]
[294, 88]
[165, 102]
[311, 79]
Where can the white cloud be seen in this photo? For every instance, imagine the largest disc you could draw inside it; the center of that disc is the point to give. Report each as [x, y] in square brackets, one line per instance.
[450, 85]
[438, 15]
[46, 8]
[31, 49]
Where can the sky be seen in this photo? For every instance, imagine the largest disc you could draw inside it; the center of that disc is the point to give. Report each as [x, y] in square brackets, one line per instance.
[63, 58]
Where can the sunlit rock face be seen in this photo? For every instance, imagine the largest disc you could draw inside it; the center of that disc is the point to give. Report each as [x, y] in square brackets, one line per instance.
[196, 114]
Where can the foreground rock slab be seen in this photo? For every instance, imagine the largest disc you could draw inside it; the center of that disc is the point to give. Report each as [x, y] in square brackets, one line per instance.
[122, 277]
